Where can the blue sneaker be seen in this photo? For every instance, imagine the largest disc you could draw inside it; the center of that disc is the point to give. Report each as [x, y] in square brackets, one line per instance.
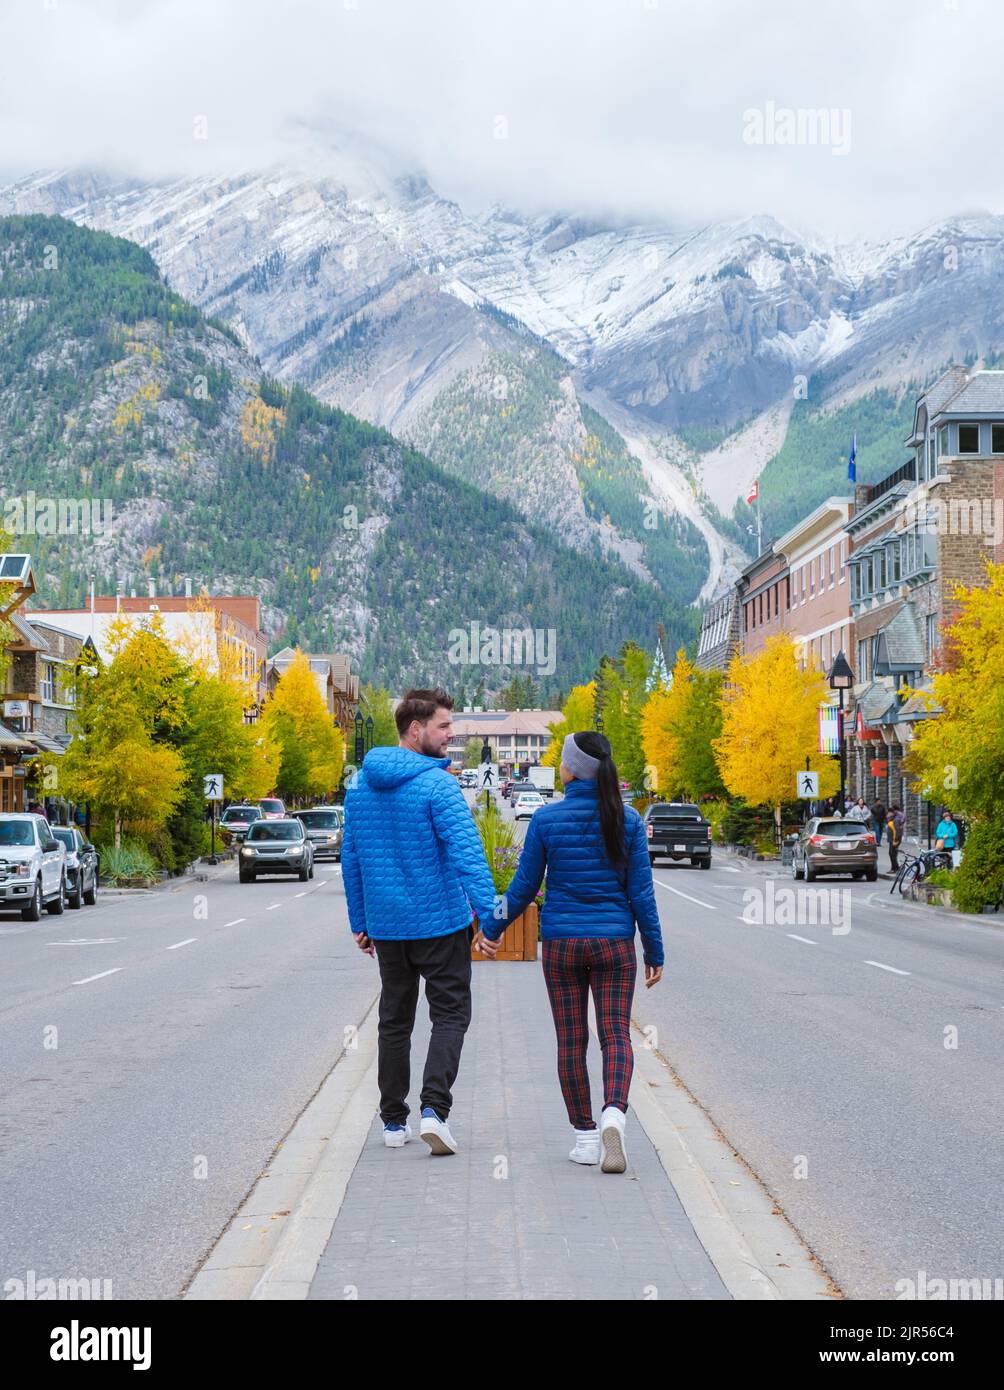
[436, 1133]
[396, 1136]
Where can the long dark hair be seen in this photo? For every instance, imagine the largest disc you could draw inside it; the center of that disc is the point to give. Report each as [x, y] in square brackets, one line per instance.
[608, 787]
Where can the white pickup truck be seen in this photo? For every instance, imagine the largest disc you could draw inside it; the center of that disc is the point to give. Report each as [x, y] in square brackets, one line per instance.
[32, 865]
[543, 780]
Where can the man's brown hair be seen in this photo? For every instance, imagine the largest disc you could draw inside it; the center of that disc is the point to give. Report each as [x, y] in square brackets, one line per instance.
[420, 705]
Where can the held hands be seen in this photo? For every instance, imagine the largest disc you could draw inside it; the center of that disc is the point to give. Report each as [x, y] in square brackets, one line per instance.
[483, 944]
[653, 974]
[365, 944]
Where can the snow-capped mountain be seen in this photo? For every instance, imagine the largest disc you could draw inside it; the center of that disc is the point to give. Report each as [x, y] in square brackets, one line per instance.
[383, 296]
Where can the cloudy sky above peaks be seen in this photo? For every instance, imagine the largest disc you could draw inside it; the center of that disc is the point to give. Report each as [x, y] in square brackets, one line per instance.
[848, 118]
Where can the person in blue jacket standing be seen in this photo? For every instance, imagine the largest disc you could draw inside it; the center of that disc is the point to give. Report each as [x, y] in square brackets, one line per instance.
[413, 867]
[594, 853]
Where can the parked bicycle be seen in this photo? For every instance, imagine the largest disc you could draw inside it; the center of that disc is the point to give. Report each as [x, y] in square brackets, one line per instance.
[917, 868]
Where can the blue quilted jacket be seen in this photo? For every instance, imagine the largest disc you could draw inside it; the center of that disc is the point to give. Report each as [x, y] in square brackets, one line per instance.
[412, 861]
[585, 895]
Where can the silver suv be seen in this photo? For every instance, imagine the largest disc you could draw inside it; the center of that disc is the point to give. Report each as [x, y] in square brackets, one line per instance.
[32, 865]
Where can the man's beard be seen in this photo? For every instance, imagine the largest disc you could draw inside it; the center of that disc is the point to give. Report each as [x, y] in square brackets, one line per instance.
[428, 747]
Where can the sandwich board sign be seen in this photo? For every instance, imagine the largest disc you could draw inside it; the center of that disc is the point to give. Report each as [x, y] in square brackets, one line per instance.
[807, 784]
[212, 786]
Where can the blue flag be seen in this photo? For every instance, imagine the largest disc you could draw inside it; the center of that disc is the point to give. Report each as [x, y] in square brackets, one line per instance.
[852, 461]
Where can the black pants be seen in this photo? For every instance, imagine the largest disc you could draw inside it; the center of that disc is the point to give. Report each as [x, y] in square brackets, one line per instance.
[894, 857]
[444, 962]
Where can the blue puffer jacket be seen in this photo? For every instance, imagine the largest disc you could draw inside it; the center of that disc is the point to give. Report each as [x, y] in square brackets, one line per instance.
[412, 861]
[585, 896]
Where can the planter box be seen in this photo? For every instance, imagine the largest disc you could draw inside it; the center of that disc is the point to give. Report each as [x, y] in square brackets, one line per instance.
[519, 940]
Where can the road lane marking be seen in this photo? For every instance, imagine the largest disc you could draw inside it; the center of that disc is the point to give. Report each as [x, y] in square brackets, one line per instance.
[88, 941]
[700, 902]
[187, 942]
[801, 938]
[303, 894]
[878, 964]
[730, 869]
[98, 977]
[235, 922]
[272, 906]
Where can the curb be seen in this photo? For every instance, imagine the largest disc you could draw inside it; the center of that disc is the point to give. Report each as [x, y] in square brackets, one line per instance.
[271, 1248]
[758, 1254]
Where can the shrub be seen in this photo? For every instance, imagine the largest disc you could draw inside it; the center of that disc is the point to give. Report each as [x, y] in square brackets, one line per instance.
[979, 879]
[131, 860]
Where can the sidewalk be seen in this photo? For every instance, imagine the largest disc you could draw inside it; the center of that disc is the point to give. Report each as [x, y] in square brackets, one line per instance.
[509, 1216]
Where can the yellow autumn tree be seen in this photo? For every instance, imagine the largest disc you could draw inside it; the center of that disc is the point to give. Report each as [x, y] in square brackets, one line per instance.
[661, 719]
[311, 746]
[579, 713]
[770, 726]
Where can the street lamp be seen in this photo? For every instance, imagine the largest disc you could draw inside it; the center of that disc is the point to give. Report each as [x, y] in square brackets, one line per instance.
[841, 678]
[358, 724]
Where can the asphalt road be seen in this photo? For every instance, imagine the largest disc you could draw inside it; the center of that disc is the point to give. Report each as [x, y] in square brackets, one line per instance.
[820, 1054]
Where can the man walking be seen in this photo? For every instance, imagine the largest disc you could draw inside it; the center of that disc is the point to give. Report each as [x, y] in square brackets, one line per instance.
[878, 816]
[413, 867]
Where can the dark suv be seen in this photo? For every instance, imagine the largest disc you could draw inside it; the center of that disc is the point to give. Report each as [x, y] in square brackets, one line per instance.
[677, 830]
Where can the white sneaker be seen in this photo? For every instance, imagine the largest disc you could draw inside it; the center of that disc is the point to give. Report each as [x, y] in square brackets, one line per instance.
[396, 1136]
[612, 1135]
[587, 1146]
[436, 1133]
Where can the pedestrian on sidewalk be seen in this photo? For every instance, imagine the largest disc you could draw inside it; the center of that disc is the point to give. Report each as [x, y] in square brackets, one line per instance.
[413, 866]
[859, 812]
[594, 854]
[878, 816]
[895, 821]
[946, 836]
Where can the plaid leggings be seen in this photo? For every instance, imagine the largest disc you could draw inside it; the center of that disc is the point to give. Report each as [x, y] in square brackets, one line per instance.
[573, 966]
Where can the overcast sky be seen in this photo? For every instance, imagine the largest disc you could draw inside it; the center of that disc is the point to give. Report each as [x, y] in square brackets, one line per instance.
[632, 109]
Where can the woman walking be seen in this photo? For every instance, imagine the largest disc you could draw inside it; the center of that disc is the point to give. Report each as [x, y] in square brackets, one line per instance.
[594, 853]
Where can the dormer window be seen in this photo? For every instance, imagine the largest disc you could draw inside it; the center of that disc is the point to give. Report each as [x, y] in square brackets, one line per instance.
[969, 439]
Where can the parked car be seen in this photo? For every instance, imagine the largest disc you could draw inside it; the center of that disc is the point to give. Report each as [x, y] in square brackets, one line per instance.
[275, 847]
[469, 777]
[272, 808]
[82, 861]
[833, 845]
[32, 865]
[517, 788]
[677, 830]
[323, 825]
[236, 819]
[527, 803]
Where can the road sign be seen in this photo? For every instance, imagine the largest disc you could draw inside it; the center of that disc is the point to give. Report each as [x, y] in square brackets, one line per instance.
[807, 784]
[212, 786]
[488, 777]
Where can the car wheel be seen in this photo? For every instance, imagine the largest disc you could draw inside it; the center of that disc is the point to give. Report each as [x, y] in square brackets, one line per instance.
[91, 894]
[34, 912]
[810, 874]
[57, 904]
[244, 876]
[304, 875]
[795, 871]
[871, 875]
[706, 863]
[311, 874]
[77, 899]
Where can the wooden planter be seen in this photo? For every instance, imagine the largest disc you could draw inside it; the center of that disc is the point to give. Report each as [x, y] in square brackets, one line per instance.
[519, 940]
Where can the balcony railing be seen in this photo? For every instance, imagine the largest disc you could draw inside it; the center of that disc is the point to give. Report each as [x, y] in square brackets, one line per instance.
[907, 473]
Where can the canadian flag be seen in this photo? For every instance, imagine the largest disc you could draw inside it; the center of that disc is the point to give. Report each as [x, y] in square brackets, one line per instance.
[754, 491]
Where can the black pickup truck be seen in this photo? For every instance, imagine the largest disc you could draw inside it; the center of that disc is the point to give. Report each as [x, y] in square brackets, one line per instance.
[677, 830]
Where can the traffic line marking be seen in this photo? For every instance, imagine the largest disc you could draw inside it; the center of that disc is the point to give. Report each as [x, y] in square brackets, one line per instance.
[187, 942]
[98, 977]
[272, 906]
[878, 964]
[801, 938]
[303, 894]
[88, 941]
[700, 901]
[235, 922]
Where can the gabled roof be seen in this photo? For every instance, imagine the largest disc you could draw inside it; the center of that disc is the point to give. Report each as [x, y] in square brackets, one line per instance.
[899, 646]
[875, 701]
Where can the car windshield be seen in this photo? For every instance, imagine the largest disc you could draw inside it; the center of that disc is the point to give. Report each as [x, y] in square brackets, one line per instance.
[67, 836]
[276, 830]
[240, 813]
[319, 820]
[16, 832]
[270, 805]
[841, 828]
